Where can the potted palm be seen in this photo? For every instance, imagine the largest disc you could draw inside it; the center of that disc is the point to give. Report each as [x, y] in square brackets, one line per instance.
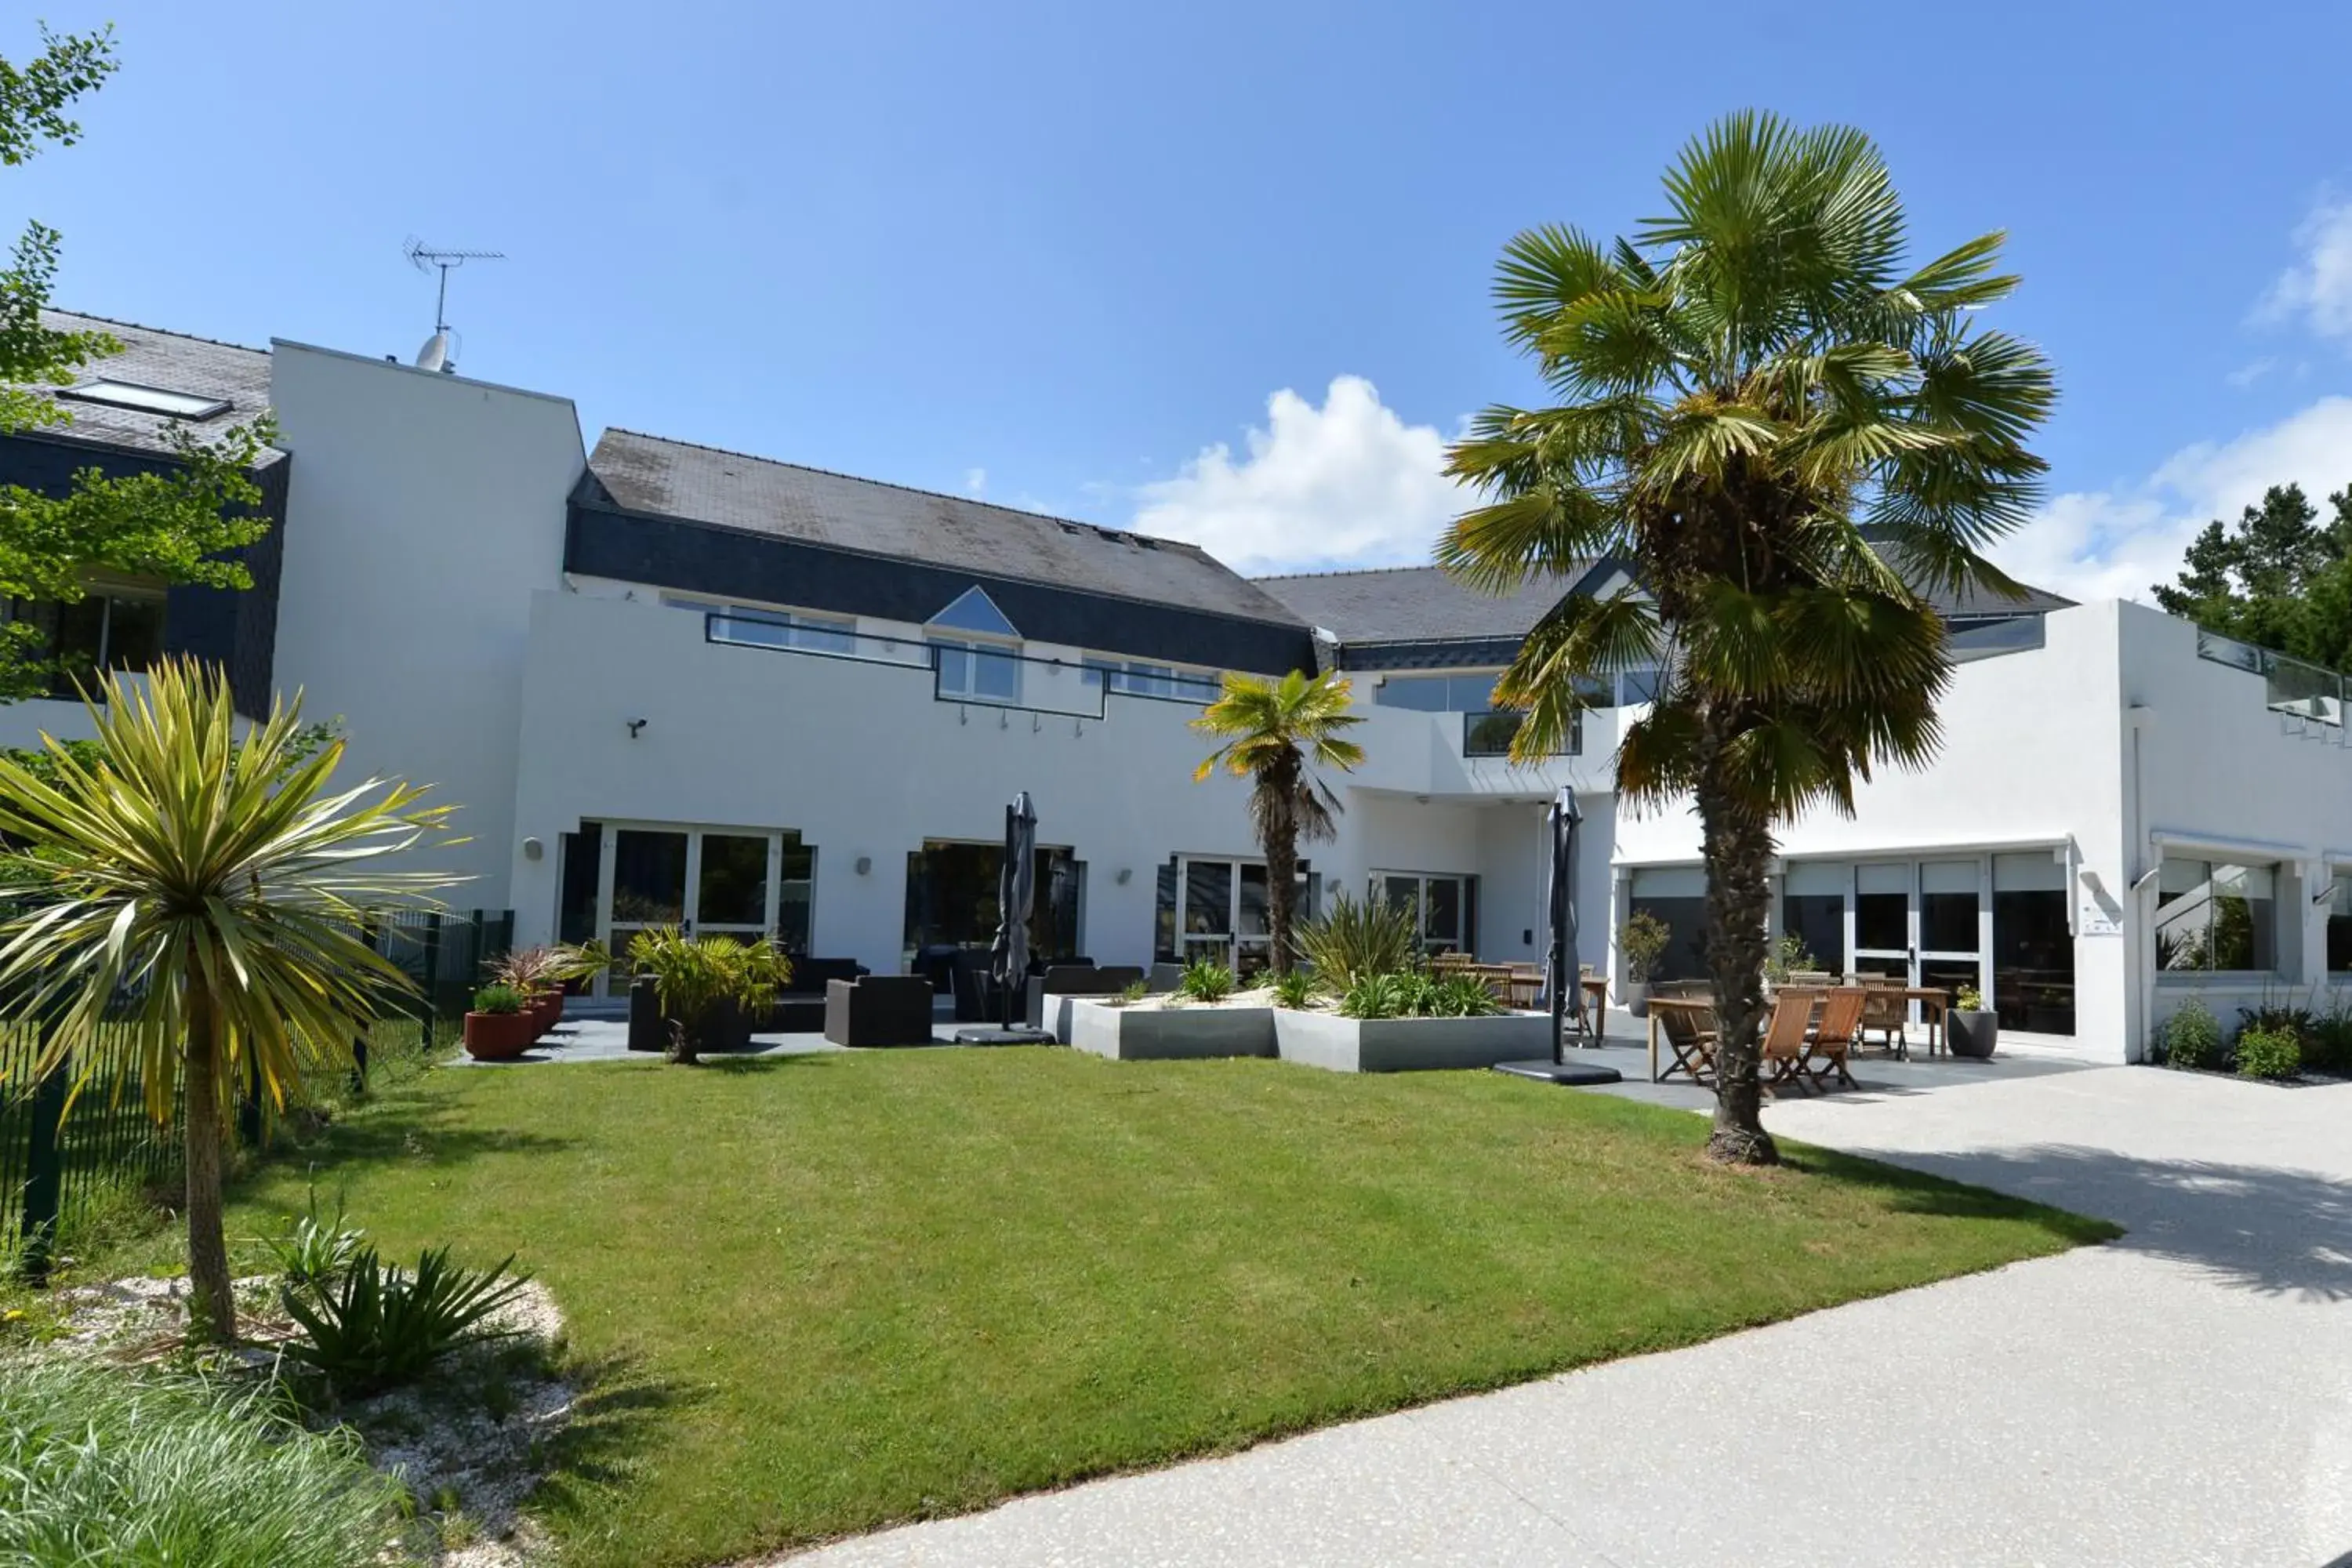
[1972, 1028]
[709, 988]
[501, 1026]
[1643, 942]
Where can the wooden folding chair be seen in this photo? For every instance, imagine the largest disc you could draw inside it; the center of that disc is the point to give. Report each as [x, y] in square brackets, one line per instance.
[1691, 1035]
[1832, 1038]
[1781, 1057]
[1886, 1009]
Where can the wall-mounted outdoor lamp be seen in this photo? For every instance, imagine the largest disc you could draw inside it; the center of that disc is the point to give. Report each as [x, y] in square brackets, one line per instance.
[1126, 875]
[533, 849]
[864, 864]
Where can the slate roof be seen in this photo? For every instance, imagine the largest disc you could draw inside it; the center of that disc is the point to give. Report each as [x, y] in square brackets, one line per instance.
[1411, 603]
[648, 474]
[1423, 603]
[172, 361]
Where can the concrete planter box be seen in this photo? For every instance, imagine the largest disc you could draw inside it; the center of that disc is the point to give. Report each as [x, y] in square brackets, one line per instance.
[1408, 1044]
[1166, 1033]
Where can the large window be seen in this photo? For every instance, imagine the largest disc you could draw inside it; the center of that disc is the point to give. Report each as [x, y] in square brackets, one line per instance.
[2033, 951]
[2339, 923]
[1444, 908]
[108, 629]
[782, 628]
[1813, 909]
[1136, 677]
[1677, 896]
[952, 904]
[975, 672]
[2216, 917]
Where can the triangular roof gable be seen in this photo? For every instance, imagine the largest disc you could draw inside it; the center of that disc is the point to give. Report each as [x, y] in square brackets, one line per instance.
[974, 611]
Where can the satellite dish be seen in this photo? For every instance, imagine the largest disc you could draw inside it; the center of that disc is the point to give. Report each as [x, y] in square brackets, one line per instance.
[435, 351]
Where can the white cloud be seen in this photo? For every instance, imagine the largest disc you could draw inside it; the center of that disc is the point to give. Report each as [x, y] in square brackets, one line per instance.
[2317, 289]
[2117, 543]
[976, 480]
[2245, 375]
[1348, 484]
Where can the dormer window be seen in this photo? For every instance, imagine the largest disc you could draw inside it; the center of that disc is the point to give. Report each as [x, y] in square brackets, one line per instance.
[983, 665]
[140, 399]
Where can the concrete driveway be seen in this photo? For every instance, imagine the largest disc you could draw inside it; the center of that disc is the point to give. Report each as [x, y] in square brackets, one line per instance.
[2181, 1396]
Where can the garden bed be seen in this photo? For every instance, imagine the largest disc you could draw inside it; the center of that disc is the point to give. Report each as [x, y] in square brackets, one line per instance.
[1314, 1037]
[1156, 1030]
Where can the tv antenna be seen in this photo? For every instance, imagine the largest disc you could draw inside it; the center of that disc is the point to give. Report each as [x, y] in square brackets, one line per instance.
[426, 258]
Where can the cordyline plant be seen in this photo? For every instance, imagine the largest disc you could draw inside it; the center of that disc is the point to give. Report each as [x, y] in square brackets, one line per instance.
[1795, 442]
[190, 903]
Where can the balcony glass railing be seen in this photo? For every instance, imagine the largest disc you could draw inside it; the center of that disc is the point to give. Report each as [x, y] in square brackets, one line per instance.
[2290, 686]
[960, 671]
[1490, 733]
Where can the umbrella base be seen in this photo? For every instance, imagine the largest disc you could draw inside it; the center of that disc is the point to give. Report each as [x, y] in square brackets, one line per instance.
[1002, 1036]
[1570, 1073]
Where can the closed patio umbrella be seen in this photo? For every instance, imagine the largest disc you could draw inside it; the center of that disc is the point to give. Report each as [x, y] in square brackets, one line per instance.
[1016, 887]
[1563, 978]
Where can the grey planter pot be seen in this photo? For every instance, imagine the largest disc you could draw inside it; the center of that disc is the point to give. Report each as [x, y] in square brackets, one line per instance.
[1972, 1034]
[1636, 998]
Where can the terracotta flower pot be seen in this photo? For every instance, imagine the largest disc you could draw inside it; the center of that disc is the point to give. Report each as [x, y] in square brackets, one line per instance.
[499, 1036]
[547, 1007]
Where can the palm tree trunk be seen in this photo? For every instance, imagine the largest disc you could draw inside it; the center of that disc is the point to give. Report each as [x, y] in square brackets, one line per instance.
[1281, 871]
[1737, 848]
[212, 1305]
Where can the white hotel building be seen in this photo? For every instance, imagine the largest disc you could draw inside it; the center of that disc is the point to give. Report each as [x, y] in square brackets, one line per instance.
[666, 681]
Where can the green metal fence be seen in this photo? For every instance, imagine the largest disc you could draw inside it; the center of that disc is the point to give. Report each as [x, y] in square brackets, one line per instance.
[55, 1162]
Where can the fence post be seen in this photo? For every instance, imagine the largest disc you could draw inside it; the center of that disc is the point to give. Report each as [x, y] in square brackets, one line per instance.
[360, 1045]
[432, 973]
[44, 1171]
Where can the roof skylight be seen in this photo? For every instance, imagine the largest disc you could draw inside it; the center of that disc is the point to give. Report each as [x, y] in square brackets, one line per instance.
[146, 399]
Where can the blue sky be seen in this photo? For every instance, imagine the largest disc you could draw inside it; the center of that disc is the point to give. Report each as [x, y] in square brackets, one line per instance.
[1217, 270]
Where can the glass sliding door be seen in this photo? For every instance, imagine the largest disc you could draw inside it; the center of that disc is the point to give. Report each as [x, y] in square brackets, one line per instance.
[1205, 916]
[1951, 942]
[2033, 951]
[645, 885]
[716, 881]
[1813, 909]
[1217, 909]
[1883, 939]
[951, 913]
[1440, 907]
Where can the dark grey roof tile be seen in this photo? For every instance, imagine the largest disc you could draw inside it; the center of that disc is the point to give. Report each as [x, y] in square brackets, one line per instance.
[173, 362]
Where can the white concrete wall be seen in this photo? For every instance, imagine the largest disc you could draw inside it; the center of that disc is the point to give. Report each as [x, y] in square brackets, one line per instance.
[2217, 766]
[2031, 757]
[423, 511]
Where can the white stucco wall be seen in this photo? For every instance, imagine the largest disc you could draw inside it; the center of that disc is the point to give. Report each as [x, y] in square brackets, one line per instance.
[423, 512]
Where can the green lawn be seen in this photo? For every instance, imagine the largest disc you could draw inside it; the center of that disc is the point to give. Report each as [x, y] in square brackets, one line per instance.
[830, 1292]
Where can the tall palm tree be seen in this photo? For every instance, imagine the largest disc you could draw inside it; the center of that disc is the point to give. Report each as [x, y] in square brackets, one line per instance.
[190, 898]
[1792, 442]
[1275, 733]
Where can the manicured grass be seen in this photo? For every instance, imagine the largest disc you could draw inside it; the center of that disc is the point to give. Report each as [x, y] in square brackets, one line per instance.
[831, 1292]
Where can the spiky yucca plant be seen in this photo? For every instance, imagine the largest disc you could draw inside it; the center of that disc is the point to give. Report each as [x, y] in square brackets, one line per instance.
[190, 905]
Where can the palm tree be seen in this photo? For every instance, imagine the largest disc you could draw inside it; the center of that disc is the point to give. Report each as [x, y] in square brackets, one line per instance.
[1273, 731]
[1792, 442]
[191, 898]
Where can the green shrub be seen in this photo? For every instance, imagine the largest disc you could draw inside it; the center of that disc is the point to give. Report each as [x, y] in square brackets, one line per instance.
[2191, 1037]
[2269, 1052]
[1376, 996]
[1787, 956]
[313, 1256]
[2329, 1047]
[1968, 999]
[1134, 991]
[1457, 996]
[1643, 942]
[1293, 990]
[695, 975]
[1206, 980]
[381, 1325]
[498, 998]
[1356, 939]
[100, 1464]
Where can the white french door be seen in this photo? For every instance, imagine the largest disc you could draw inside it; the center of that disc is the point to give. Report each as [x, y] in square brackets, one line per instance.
[1220, 913]
[1925, 921]
[704, 881]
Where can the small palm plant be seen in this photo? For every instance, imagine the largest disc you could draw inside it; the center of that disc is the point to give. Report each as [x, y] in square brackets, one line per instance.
[191, 904]
[1276, 732]
[695, 976]
[1794, 438]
